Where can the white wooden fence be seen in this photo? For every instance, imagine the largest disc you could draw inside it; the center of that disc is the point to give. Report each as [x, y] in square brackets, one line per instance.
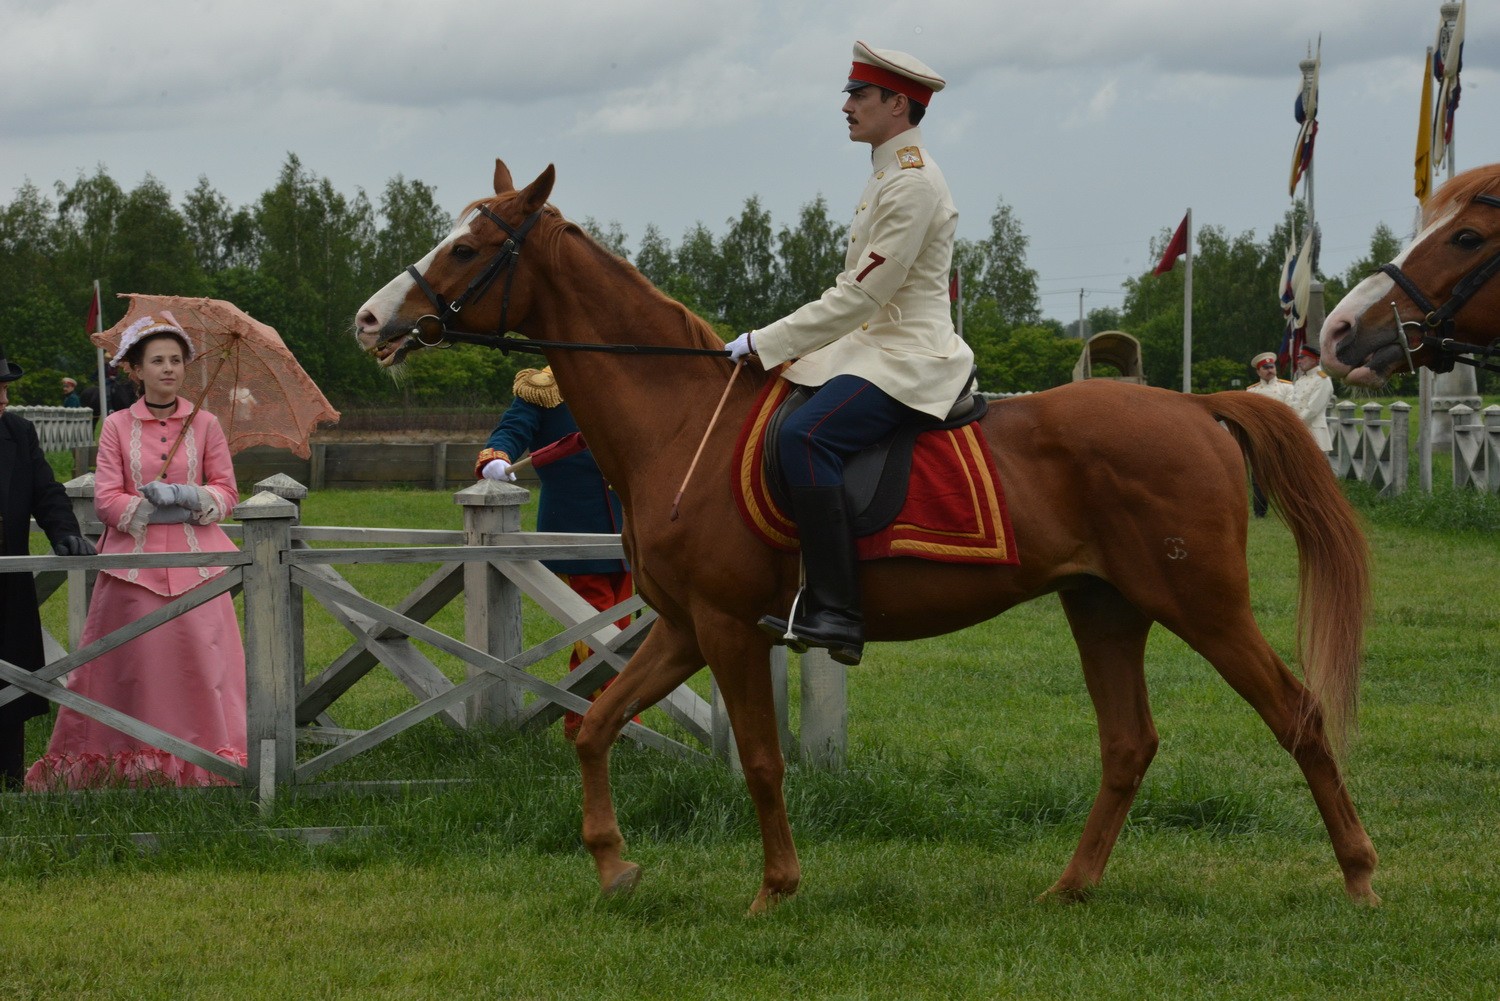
[1375, 449]
[491, 564]
[1476, 448]
[1368, 447]
[60, 429]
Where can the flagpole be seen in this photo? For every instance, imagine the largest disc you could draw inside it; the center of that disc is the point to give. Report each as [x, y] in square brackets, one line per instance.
[1309, 68]
[1187, 308]
[99, 355]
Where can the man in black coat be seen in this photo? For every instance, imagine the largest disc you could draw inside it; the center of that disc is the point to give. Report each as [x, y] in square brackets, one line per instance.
[27, 489]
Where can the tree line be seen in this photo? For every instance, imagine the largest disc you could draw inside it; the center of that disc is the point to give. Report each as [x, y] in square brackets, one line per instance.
[303, 256]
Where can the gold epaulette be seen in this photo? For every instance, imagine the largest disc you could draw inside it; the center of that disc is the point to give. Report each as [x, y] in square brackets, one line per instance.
[537, 386]
[485, 458]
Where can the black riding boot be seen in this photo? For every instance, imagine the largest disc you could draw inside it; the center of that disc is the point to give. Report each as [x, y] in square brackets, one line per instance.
[827, 611]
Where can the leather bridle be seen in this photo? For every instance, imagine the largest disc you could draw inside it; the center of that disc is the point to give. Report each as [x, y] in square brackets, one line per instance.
[432, 330]
[1437, 324]
[505, 259]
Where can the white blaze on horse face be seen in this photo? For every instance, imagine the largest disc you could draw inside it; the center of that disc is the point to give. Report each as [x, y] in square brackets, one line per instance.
[1374, 291]
[381, 307]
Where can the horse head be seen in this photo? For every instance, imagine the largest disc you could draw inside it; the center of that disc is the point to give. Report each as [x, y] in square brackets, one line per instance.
[468, 283]
[1435, 300]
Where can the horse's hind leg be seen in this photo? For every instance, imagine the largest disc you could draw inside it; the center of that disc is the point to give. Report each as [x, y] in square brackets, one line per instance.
[1241, 654]
[665, 660]
[1111, 638]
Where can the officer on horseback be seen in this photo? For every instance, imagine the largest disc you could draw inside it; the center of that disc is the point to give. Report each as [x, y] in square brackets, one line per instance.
[879, 345]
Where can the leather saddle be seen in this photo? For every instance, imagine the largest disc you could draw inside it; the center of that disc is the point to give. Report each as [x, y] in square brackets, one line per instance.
[876, 479]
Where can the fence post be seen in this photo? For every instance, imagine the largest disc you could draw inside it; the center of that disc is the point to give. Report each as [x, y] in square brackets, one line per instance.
[721, 734]
[1345, 441]
[1490, 449]
[825, 711]
[492, 602]
[80, 491]
[288, 489]
[1400, 435]
[1465, 427]
[270, 671]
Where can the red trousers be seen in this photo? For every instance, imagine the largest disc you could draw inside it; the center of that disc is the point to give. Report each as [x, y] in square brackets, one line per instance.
[601, 590]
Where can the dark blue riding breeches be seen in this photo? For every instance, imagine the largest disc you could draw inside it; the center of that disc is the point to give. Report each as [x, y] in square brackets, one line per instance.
[846, 414]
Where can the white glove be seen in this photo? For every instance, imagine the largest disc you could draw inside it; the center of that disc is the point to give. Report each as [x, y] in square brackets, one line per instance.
[162, 494]
[739, 348]
[498, 469]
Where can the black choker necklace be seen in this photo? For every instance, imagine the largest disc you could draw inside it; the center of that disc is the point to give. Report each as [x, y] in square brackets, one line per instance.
[160, 405]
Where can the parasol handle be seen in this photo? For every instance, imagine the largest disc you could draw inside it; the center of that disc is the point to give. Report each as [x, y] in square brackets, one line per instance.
[197, 406]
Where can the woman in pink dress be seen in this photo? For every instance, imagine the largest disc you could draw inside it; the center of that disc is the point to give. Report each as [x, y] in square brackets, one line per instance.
[186, 676]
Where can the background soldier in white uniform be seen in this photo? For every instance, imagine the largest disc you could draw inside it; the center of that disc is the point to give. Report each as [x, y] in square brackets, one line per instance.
[1277, 389]
[1311, 394]
[879, 344]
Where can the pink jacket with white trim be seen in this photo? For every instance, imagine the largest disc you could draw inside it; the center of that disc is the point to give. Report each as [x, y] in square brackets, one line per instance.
[132, 447]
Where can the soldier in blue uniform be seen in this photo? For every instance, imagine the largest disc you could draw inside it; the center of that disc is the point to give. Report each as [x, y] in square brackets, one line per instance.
[574, 496]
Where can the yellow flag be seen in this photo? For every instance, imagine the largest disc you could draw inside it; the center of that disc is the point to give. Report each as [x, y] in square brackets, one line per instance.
[1424, 135]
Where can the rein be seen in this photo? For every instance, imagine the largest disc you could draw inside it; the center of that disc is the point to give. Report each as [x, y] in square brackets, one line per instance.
[431, 330]
[1437, 323]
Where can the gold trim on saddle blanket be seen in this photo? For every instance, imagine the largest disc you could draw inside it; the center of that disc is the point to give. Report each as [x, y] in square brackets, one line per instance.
[955, 510]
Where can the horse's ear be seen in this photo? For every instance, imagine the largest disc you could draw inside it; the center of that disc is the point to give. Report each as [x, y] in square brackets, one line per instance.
[537, 192]
[503, 183]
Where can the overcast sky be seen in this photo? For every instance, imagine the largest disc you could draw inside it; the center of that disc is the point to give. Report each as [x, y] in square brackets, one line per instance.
[1099, 121]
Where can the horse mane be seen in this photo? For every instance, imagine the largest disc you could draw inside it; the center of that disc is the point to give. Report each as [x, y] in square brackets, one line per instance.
[556, 238]
[1461, 190]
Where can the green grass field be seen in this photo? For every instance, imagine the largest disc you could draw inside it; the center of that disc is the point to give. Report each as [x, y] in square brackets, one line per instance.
[973, 761]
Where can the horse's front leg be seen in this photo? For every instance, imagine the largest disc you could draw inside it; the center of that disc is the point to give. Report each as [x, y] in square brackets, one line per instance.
[666, 659]
[739, 656]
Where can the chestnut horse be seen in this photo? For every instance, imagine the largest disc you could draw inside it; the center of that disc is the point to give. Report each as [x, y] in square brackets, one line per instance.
[1435, 303]
[1128, 502]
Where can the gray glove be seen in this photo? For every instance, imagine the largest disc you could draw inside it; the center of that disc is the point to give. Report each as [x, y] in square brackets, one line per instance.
[73, 545]
[166, 494]
[169, 514]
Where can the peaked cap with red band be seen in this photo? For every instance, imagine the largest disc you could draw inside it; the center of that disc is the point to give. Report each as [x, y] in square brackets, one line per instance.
[894, 71]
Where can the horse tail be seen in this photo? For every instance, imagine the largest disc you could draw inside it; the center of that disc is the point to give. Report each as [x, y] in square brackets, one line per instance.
[1332, 554]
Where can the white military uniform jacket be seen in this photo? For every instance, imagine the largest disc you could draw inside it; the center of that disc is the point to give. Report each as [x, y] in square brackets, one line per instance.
[1310, 396]
[1276, 389]
[886, 319]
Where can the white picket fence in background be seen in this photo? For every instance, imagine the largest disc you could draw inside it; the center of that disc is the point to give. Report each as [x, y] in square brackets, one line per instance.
[1368, 447]
[1476, 448]
[61, 429]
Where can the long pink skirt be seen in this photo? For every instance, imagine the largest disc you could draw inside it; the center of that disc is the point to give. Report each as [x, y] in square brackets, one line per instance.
[186, 676]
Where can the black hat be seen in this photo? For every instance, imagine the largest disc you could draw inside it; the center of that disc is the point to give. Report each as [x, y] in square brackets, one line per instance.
[9, 370]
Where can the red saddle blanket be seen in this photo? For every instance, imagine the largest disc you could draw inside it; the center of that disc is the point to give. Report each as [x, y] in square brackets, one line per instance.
[955, 507]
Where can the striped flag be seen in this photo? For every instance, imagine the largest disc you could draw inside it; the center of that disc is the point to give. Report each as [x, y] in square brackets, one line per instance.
[1296, 297]
[1306, 112]
[1423, 160]
[1447, 62]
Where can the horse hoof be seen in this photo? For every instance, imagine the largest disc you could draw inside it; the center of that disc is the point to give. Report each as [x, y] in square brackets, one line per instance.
[765, 902]
[1363, 896]
[1060, 894]
[623, 882]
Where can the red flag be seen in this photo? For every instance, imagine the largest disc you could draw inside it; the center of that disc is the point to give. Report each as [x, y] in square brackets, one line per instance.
[1175, 249]
[91, 322]
[953, 286]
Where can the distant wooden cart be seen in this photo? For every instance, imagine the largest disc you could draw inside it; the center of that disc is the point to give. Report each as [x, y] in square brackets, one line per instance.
[1111, 354]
